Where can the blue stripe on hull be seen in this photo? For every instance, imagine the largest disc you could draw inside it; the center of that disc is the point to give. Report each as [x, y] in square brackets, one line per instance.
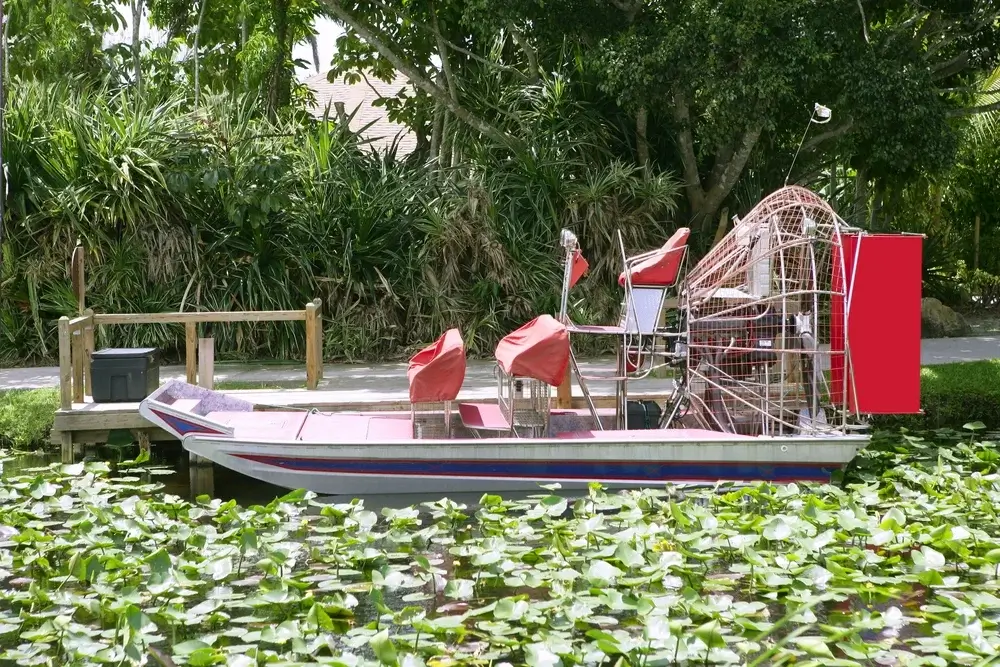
[184, 427]
[654, 471]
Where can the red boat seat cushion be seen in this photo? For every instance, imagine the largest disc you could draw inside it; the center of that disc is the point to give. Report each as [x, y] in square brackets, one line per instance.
[579, 267]
[539, 350]
[660, 269]
[436, 373]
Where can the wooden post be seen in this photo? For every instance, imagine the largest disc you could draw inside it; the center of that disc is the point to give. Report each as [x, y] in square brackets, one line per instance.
[78, 277]
[201, 475]
[564, 392]
[66, 453]
[312, 363]
[975, 246]
[77, 356]
[65, 366]
[88, 350]
[191, 352]
[206, 361]
[319, 335]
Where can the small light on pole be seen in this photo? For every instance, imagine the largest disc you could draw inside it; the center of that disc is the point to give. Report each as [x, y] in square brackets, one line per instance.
[820, 115]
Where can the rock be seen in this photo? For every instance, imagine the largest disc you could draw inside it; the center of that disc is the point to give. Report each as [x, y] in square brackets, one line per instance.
[939, 321]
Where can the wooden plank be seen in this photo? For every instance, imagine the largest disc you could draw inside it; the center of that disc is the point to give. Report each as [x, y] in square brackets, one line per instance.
[79, 323]
[319, 335]
[88, 351]
[191, 352]
[77, 358]
[182, 318]
[65, 365]
[564, 392]
[206, 362]
[312, 364]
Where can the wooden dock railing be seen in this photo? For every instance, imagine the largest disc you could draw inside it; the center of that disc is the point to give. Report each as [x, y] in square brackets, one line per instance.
[76, 342]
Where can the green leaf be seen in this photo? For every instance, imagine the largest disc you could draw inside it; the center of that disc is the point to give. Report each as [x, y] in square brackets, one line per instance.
[384, 649]
[711, 634]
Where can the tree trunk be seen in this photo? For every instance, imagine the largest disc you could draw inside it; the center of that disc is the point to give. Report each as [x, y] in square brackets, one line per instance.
[137, 6]
[860, 197]
[641, 144]
[280, 92]
[197, 35]
[315, 51]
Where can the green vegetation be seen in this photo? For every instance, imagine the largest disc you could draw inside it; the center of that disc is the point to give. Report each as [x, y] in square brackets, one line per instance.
[952, 395]
[195, 179]
[899, 566]
[26, 417]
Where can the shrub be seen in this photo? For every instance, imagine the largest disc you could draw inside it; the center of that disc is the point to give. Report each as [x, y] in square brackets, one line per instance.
[953, 395]
[26, 417]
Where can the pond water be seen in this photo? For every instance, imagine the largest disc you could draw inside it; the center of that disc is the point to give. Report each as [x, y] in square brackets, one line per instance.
[229, 485]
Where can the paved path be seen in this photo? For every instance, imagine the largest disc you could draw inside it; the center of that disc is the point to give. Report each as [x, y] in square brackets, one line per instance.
[388, 381]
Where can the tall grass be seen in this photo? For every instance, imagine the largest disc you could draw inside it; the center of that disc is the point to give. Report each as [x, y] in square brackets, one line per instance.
[221, 209]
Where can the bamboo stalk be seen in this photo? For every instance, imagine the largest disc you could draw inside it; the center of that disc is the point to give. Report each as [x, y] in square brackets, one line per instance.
[65, 366]
[191, 352]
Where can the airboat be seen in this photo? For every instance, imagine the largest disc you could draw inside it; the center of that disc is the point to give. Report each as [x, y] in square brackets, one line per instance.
[785, 339]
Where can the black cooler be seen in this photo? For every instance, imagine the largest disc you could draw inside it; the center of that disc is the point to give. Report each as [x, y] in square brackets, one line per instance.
[124, 375]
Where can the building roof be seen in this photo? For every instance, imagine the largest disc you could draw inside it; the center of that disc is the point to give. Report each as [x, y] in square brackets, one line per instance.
[360, 96]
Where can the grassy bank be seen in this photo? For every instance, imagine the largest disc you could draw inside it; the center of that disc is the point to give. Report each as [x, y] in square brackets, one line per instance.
[952, 395]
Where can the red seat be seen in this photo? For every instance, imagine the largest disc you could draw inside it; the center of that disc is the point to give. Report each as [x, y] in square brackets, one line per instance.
[660, 269]
[539, 350]
[436, 373]
[579, 268]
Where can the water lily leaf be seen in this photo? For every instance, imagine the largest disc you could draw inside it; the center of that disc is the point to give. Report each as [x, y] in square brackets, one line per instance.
[628, 556]
[711, 634]
[221, 568]
[384, 649]
[974, 426]
[601, 572]
[928, 559]
[541, 655]
[816, 646]
[189, 647]
[460, 589]
[777, 529]
[894, 519]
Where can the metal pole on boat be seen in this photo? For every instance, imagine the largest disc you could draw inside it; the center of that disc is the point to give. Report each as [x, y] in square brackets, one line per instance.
[824, 114]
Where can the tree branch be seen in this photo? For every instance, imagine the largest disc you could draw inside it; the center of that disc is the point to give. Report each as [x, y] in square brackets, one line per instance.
[829, 134]
[953, 66]
[445, 61]
[417, 79]
[733, 169]
[529, 52]
[973, 111]
[455, 47]
[685, 139]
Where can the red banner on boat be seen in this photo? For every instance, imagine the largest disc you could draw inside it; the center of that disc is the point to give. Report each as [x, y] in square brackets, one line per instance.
[878, 324]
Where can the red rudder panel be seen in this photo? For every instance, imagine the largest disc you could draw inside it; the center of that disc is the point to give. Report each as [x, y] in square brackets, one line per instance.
[883, 281]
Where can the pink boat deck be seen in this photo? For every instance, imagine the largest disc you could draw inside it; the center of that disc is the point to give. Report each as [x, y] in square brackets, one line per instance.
[354, 428]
